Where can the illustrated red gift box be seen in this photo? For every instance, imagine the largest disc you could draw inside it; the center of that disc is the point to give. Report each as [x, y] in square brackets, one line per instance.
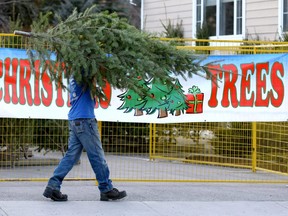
[194, 100]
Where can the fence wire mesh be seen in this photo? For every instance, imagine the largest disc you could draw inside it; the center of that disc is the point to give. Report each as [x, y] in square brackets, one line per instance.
[183, 152]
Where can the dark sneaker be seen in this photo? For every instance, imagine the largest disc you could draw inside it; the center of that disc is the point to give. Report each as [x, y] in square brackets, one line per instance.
[113, 194]
[55, 195]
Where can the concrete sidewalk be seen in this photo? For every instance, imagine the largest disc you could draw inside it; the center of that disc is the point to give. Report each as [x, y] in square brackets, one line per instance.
[153, 199]
[146, 208]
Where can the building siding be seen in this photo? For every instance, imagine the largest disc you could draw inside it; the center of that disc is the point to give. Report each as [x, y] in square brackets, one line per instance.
[157, 11]
[262, 19]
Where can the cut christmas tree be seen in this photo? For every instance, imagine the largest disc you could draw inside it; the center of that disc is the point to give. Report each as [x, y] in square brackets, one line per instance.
[97, 47]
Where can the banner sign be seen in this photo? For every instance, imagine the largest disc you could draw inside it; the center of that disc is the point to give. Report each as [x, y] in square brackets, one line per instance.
[242, 88]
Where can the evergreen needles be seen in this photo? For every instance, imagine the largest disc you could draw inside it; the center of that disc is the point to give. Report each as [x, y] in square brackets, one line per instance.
[101, 47]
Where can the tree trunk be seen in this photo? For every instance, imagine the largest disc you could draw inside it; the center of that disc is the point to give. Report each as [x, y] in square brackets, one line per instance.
[138, 112]
[177, 113]
[162, 113]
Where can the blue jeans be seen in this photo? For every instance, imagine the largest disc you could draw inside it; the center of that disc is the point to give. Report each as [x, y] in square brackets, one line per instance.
[83, 133]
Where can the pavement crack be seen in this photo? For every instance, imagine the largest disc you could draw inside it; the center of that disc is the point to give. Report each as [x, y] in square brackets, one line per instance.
[283, 206]
[153, 209]
[2, 212]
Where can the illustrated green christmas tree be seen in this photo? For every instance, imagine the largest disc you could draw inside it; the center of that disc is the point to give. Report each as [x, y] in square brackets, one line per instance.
[133, 100]
[157, 98]
[101, 47]
[177, 99]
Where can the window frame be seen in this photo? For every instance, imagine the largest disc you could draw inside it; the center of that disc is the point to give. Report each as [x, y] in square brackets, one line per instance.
[218, 36]
[281, 17]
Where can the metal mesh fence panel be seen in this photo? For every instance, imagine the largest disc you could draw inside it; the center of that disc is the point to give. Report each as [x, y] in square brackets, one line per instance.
[183, 152]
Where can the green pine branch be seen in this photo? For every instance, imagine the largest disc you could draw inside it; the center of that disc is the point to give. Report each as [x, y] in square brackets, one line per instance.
[103, 47]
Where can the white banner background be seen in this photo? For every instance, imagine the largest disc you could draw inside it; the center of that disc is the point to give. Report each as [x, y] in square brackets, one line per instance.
[260, 92]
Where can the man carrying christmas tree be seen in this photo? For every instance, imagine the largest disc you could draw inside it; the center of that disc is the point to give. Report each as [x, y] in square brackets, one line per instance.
[133, 54]
[83, 133]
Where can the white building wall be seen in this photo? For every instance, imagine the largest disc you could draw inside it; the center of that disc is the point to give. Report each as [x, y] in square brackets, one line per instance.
[156, 11]
[262, 19]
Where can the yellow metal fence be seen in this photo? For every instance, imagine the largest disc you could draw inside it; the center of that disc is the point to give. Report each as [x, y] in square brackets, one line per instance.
[215, 152]
[183, 152]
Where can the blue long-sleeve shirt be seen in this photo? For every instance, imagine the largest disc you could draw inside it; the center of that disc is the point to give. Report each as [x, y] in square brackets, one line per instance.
[82, 105]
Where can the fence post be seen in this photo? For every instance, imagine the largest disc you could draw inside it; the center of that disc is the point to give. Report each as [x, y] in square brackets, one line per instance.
[254, 146]
[100, 127]
[152, 140]
[254, 50]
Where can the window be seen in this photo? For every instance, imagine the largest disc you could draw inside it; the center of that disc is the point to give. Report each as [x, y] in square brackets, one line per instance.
[285, 15]
[223, 17]
[199, 14]
[210, 16]
[239, 17]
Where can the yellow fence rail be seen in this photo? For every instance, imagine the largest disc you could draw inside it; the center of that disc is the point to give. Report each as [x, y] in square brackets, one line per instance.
[228, 47]
[183, 152]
